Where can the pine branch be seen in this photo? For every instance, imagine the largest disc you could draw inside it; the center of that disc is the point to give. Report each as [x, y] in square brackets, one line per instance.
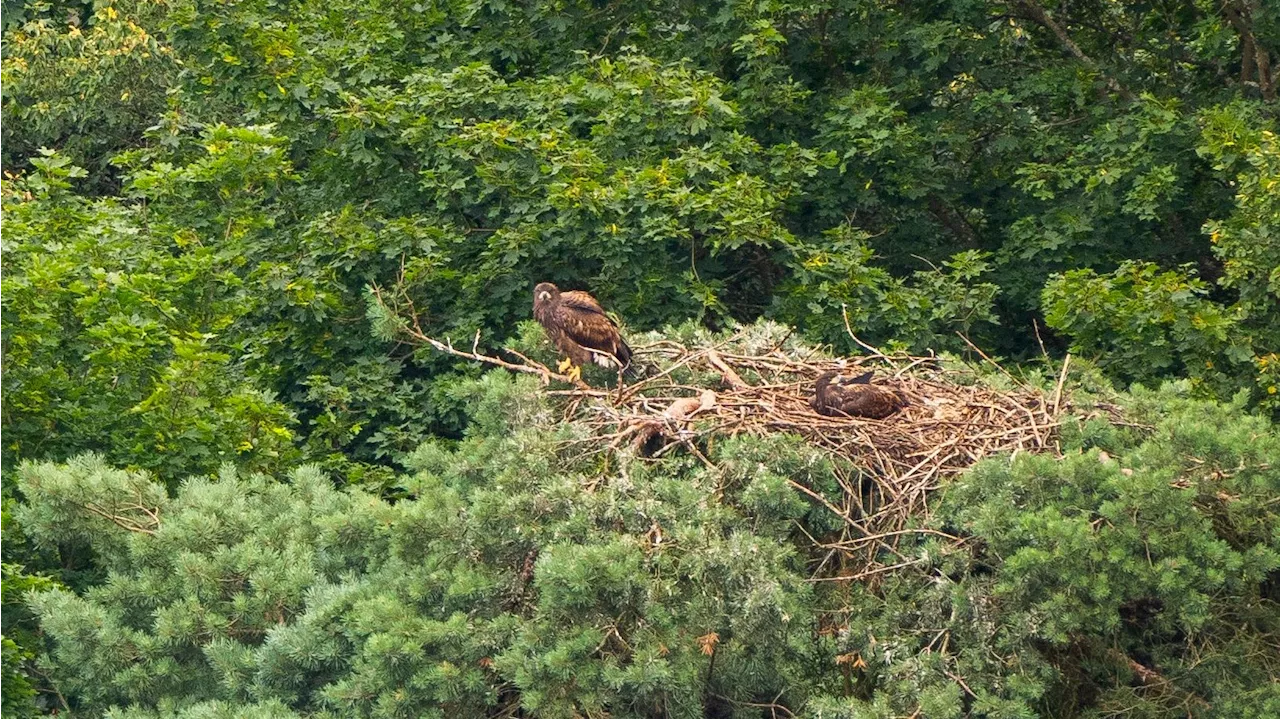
[124, 521]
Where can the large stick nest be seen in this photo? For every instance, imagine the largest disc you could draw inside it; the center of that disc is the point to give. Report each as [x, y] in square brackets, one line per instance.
[945, 428]
[897, 461]
[887, 468]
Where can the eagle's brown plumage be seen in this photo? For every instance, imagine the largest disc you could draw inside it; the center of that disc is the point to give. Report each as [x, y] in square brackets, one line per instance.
[578, 327]
[834, 396]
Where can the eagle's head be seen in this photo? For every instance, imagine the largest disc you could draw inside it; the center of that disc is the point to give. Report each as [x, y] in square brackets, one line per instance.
[545, 293]
[824, 380]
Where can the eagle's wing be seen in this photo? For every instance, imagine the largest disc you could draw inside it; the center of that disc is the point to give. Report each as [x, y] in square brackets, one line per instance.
[585, 322]
[582, 302]
[578, 354]
[866, 400]
[864, 378]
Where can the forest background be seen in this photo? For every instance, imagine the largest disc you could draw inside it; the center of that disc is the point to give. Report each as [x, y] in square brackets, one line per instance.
[198, 195]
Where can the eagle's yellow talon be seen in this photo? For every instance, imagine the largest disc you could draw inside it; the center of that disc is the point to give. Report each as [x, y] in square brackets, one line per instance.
[564, 365]
[575, 374]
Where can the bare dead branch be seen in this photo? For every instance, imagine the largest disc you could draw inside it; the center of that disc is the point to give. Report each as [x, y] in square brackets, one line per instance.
[414, 333]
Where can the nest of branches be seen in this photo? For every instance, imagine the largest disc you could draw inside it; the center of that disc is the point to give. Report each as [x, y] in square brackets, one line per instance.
[897, 462]
[890, 466]
[945, 428]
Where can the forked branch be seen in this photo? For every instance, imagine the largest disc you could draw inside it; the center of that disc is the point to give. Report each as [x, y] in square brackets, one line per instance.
[411, 330]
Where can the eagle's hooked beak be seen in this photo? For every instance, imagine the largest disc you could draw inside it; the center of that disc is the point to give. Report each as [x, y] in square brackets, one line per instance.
[544, 296]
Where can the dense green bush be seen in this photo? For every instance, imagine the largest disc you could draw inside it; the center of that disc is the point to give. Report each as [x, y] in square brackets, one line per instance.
[518, 574]
[1156, 566]
[111, 338]
[843, 162]
[500, 569]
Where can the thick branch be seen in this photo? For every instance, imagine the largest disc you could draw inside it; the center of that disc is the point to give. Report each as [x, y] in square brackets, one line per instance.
[1042, 18]
[951, 218]
[1247, 54]
[732, 378]
[1266, 78]
[126, 522]
[1253, 56]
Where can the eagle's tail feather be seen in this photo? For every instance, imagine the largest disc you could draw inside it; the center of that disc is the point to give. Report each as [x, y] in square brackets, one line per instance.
[623, 356]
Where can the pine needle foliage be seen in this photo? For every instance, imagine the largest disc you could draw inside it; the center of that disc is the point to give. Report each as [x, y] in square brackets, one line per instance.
[518, 574]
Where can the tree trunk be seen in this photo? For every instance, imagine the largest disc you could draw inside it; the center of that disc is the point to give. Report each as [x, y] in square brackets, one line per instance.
[951, 218]
[1254, 58]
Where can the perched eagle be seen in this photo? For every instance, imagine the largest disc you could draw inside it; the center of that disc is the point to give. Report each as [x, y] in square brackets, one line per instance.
[834, 396]
[579, 328]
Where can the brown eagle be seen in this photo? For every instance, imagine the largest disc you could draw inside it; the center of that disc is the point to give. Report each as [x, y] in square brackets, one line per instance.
[579, 328]
[836, 396]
